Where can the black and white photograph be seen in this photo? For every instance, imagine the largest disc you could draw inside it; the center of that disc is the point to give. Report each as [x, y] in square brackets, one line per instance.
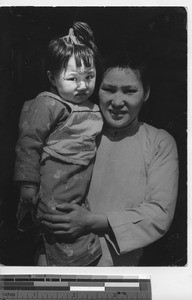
[112, 193]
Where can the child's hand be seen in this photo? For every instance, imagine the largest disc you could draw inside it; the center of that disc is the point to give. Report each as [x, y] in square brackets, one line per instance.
[28, 201]
[29, 195]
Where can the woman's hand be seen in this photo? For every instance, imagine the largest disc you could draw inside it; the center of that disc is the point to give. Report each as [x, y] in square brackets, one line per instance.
[74, 221]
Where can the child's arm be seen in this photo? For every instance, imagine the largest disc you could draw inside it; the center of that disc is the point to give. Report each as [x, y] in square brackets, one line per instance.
[34, 126]
[29, 194]
[33, 129]
[38, 119]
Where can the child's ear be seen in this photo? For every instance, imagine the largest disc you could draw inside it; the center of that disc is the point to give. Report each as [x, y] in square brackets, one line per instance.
[51, 77]
[147, 93]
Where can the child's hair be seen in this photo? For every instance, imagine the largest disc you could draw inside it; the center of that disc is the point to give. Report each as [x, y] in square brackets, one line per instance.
[127, 59]
[79, 42]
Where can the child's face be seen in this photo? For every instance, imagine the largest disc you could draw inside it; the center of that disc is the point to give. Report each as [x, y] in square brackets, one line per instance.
[121, 96]
[75, 84]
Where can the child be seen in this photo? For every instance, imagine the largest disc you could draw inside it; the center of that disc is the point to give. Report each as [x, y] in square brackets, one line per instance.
[56, 144]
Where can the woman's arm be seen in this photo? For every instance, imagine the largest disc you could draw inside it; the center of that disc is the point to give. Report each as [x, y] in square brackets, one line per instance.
[140, 226]
[74, 221]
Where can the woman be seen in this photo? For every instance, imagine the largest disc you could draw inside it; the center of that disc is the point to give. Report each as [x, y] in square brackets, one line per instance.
[133, 189]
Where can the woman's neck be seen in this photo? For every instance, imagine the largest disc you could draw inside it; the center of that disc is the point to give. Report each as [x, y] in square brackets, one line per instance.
[128, 130]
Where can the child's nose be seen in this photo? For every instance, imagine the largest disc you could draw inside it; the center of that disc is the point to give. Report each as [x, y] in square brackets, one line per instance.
[82, 85]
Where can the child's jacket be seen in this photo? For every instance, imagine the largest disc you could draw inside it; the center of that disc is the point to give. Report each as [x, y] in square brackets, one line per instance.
[50, 126]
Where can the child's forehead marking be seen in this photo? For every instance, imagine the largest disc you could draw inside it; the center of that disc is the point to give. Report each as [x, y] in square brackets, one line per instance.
[82, 70]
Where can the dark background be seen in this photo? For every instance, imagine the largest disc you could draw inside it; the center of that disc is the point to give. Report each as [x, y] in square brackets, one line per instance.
[159, 33]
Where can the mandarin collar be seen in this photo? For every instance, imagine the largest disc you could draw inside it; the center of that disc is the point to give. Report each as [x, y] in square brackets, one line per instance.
[119, 133]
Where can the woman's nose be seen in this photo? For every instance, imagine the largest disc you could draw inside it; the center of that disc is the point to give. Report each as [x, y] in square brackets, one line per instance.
[118, 100]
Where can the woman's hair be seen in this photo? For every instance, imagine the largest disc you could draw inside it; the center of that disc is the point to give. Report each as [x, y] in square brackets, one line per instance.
[79, 42]
[124, 60]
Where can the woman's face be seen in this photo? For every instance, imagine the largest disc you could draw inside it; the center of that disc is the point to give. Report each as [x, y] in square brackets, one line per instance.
[121, 96]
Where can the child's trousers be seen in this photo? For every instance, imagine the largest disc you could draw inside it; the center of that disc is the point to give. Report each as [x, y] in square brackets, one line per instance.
[62, 183]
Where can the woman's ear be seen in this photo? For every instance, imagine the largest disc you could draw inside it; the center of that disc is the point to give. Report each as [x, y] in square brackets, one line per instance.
[147, 93]
[51, 77]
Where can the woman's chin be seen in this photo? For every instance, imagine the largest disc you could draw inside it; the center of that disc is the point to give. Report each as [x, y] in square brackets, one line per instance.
[117, 122]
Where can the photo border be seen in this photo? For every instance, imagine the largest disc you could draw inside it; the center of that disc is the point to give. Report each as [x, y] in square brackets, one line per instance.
[168, 276]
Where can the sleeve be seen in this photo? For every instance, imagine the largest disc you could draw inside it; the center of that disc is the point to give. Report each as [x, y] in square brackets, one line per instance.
[137, 227]
[37, 119]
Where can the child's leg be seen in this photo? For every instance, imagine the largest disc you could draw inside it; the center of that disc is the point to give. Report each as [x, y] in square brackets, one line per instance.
[41, 260]
[62, 182]
[40, 256]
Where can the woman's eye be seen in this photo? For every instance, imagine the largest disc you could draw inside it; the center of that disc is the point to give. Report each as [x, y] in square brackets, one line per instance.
[130, 91]
[108, 90]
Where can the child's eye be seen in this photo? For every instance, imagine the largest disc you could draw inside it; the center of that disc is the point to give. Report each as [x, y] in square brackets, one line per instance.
[89, 77]
[71, 79]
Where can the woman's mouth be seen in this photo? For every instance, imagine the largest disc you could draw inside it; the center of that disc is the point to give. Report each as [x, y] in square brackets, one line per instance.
[117, 113]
